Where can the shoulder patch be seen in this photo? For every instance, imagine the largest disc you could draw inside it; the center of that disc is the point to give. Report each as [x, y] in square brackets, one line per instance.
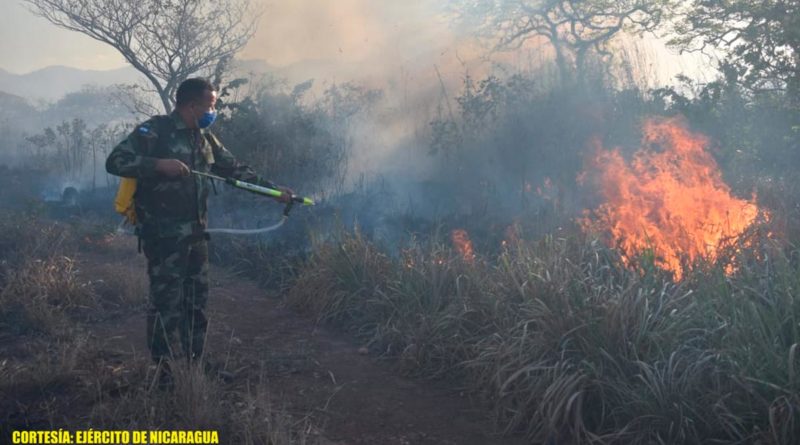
[146, 130]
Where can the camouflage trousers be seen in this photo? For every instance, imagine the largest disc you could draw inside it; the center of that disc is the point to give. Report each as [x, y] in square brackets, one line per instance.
[178, 272]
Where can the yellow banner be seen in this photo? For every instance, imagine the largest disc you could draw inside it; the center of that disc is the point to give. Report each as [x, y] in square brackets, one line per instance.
[114, 437]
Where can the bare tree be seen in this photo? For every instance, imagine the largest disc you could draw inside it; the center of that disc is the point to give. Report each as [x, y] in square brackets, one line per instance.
[575, 29]
[165, 40]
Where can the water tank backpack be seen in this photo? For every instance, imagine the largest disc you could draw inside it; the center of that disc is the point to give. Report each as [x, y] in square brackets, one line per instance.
[123, 202]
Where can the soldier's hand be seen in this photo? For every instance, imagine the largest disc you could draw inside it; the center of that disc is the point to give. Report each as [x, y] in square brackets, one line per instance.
[286, 195]
[172, 168]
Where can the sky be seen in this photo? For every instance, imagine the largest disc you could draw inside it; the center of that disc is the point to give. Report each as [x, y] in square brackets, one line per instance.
[289, 31]
[31, 43]
[356, 35]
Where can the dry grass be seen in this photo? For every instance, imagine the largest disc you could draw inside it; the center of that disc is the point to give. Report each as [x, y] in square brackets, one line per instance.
[246, 416]
[39, 294]
[60, 376]
[123, 285]
[38, 274]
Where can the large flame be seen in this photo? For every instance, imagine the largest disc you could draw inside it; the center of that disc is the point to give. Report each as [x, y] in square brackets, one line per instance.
[463, 244]
[669, 200]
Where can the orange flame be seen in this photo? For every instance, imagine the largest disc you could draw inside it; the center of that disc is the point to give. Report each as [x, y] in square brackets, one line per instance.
[463, 244]
[670, 199]
[546, 190]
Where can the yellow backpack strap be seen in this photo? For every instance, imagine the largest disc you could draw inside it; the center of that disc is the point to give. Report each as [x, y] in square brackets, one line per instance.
[214, 143]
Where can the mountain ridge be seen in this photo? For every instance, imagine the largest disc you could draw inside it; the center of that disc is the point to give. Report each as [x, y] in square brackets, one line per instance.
[52, 82]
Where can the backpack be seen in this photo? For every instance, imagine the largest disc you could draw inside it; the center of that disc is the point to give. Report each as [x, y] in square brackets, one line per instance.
[124, 203]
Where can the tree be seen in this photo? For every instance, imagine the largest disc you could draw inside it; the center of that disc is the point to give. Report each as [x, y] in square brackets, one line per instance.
[165, 40]
[71, 146]
[92, 104]
[290, 138]
[575, 29]
[761, 39]
[40, 143]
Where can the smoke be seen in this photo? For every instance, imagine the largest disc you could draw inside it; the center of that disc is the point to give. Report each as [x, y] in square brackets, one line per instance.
[358, 38]
[395, 47]
[412, 53]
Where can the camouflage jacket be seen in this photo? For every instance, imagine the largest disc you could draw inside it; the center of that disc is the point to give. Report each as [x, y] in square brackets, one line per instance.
[167, 207]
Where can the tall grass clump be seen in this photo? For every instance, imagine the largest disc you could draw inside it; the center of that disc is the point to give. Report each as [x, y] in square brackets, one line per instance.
[39, 284]
[342, 278]
[571, 346]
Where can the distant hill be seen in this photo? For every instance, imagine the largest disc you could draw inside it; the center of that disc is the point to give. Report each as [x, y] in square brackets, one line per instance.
[53, 82]
[16, 113]
[20, 106]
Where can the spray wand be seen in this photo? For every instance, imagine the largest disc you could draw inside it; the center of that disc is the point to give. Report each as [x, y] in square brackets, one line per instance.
[260, 190]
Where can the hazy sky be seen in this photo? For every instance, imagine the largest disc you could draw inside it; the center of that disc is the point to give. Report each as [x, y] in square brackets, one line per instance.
[30, 43]
[373, 36]
[290, 31]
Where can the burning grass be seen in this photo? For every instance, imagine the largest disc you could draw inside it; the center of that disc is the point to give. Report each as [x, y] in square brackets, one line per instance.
[573, 346]
[670, 200]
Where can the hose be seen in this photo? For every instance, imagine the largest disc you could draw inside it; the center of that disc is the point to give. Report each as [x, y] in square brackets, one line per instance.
[122, 231]
[250, 231]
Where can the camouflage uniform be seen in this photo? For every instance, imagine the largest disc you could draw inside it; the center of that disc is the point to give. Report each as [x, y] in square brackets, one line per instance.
[172, 218]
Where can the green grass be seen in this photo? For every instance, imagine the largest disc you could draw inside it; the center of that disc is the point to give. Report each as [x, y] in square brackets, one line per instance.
[570, 346]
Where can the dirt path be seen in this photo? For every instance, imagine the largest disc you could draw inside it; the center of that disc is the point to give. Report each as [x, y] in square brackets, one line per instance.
[353, 398]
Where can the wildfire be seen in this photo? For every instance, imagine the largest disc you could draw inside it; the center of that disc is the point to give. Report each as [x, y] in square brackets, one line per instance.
[546, 190]
[463, 244]
[670, 198]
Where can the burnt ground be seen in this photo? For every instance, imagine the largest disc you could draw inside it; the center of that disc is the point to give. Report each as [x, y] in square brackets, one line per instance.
[312, 372]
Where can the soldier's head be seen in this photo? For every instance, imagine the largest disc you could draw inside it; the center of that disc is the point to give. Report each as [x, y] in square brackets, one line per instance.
[195, 101]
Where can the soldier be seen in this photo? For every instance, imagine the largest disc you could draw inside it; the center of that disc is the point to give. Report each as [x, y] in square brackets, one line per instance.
[171, 211]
